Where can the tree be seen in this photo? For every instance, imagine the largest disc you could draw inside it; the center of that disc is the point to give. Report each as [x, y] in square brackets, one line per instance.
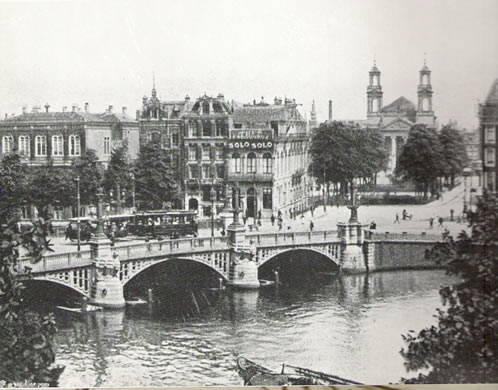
[155, 174]
[48, 186]
[12, 186]
[420, 158]
[341, 153]
[87, 168]
[27, 349]
[118, 175]
[454, 154]
[463, 347]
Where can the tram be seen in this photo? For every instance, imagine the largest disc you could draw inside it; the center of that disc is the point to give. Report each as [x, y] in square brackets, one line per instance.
[164, 223]
[115, 226]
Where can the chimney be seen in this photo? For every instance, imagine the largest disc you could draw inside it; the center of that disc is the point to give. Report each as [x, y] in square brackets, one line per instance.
[64, 109]
[123, 111]
[47, 106]
[24, 109]
[74, 107]
[86, 107]
[330, 110]
[110, 110]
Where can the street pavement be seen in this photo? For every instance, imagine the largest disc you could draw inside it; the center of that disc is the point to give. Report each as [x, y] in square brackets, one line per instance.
[384, 217]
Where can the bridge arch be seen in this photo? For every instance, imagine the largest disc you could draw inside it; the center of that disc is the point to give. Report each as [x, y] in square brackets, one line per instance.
[274, 254]
[223, 272]
[56, 282]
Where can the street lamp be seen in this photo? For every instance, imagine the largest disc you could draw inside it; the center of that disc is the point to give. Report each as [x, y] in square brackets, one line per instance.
[212, 194]
[78, 231]
[466, 173]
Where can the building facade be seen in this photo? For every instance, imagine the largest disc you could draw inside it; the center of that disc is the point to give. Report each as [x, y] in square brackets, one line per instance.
[268, 157]
[488, 125]
[395, 120]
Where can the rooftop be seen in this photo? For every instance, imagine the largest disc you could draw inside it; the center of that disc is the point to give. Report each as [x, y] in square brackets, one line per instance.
[401, 104]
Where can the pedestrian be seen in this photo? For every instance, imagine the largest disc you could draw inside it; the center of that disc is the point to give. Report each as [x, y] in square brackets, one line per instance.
[440, 220]
[311, 226]
[373, 225]
[272, 219]
[244, 219]
[223, 231]
[311, 209]
[451, 214]
[431, 222]
[397, 218]
[279, 225]
[279, 213]
[404, 214]
[290, 214]
[259, 215]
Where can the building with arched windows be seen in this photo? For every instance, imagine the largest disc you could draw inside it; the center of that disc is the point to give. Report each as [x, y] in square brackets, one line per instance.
[395, 120]
[43, 137]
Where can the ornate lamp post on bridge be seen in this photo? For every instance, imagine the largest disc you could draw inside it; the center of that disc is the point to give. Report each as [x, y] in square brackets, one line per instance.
[78, 223]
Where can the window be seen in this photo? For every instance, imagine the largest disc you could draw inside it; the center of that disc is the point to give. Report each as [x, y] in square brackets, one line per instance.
[7, 144]
[206, 129]
[236, 162]
[40, 145]
[267, 198]
[194, 172]
[490, 156]
[220, 171]
[57, 145]
[24, 145]
[192, 153]
[156, 137]
[107, 146]
[174, 139]
[490, 181]
[267, 163]
[251, 163]
[206, 171]
[490, 135]
[219, 153]
[206, 153]
[74, 145]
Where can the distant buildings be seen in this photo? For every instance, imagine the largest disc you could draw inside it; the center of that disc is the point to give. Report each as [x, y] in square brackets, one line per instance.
[60, 137]
[395, 120]
[488, 125]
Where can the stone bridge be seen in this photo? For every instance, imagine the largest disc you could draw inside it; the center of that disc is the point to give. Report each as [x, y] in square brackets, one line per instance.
[101, 272]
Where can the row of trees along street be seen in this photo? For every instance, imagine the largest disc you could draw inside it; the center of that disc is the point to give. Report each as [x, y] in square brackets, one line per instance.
[341, 153]
[151, 178]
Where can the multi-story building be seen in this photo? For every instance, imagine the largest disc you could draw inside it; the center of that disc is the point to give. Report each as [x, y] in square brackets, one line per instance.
[395, 120]
[268, 153]
[488, 125]
[207, 126]
[43, 137]
[161, 122]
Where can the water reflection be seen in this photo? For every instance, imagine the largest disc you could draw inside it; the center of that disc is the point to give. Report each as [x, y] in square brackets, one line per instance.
[349, 326]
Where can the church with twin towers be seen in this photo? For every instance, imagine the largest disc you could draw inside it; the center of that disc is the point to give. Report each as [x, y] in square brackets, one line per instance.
[395, 120]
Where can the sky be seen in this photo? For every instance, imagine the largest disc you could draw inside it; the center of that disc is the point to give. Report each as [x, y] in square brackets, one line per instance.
[106, 52]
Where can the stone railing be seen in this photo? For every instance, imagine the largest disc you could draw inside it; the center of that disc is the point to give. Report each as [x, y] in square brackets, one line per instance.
[69, 260]
[403, 236]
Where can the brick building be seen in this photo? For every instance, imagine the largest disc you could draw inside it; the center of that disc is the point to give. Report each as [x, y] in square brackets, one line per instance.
[488, 125]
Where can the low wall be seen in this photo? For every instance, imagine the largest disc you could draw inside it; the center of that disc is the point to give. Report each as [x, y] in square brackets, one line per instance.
[389, 255]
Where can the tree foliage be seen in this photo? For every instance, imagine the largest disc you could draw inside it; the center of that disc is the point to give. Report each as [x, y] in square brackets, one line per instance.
[27, 349]
[341, 153]
[420, 158]
[119, 172]
[12, 186]
[454, 155]
[463, 347]
[48, 186]
[155, 174]
[87, 168]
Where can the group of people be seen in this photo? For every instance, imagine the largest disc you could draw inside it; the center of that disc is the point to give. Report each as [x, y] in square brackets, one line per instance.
[405, 216]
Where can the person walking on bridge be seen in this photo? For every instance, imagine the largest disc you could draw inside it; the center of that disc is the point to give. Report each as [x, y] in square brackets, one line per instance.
[397, 219]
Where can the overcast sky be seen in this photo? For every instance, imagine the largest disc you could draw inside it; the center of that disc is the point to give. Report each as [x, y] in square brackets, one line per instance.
[105, 52]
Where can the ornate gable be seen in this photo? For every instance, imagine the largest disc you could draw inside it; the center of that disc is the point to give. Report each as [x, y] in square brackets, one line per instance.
[398, 124]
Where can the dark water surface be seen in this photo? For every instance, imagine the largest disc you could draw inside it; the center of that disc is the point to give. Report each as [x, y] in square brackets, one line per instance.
[350, 327]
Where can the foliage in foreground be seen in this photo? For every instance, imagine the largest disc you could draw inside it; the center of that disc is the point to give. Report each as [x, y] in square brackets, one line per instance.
[463, 347]
[27, 350]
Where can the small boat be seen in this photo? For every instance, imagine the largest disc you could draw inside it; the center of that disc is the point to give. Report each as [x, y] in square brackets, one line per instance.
[88, 309]
[266, 283]
[255, 374]
[136, 301]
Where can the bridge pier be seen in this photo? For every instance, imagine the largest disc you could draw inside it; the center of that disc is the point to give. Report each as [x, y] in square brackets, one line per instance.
[352, 259]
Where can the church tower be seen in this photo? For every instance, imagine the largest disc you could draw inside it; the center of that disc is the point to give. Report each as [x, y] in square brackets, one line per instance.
[425, 114]
[374, 97]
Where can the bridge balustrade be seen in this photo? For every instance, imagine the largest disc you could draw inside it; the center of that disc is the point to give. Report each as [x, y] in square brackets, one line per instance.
[403, 236]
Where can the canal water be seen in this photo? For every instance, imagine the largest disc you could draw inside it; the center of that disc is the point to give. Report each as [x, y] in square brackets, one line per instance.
[349, 326]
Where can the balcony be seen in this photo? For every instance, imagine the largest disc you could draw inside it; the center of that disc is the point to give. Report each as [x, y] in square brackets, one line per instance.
[251, 134]
[250, 177]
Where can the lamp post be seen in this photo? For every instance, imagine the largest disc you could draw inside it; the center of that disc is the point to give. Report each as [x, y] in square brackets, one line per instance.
[323, 185]
[78, 228]
[466, 173]
[354, 206]
[212, 194]
[133, 191]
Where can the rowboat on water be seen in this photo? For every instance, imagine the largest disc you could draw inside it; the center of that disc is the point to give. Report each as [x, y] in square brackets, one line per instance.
[255, 374]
